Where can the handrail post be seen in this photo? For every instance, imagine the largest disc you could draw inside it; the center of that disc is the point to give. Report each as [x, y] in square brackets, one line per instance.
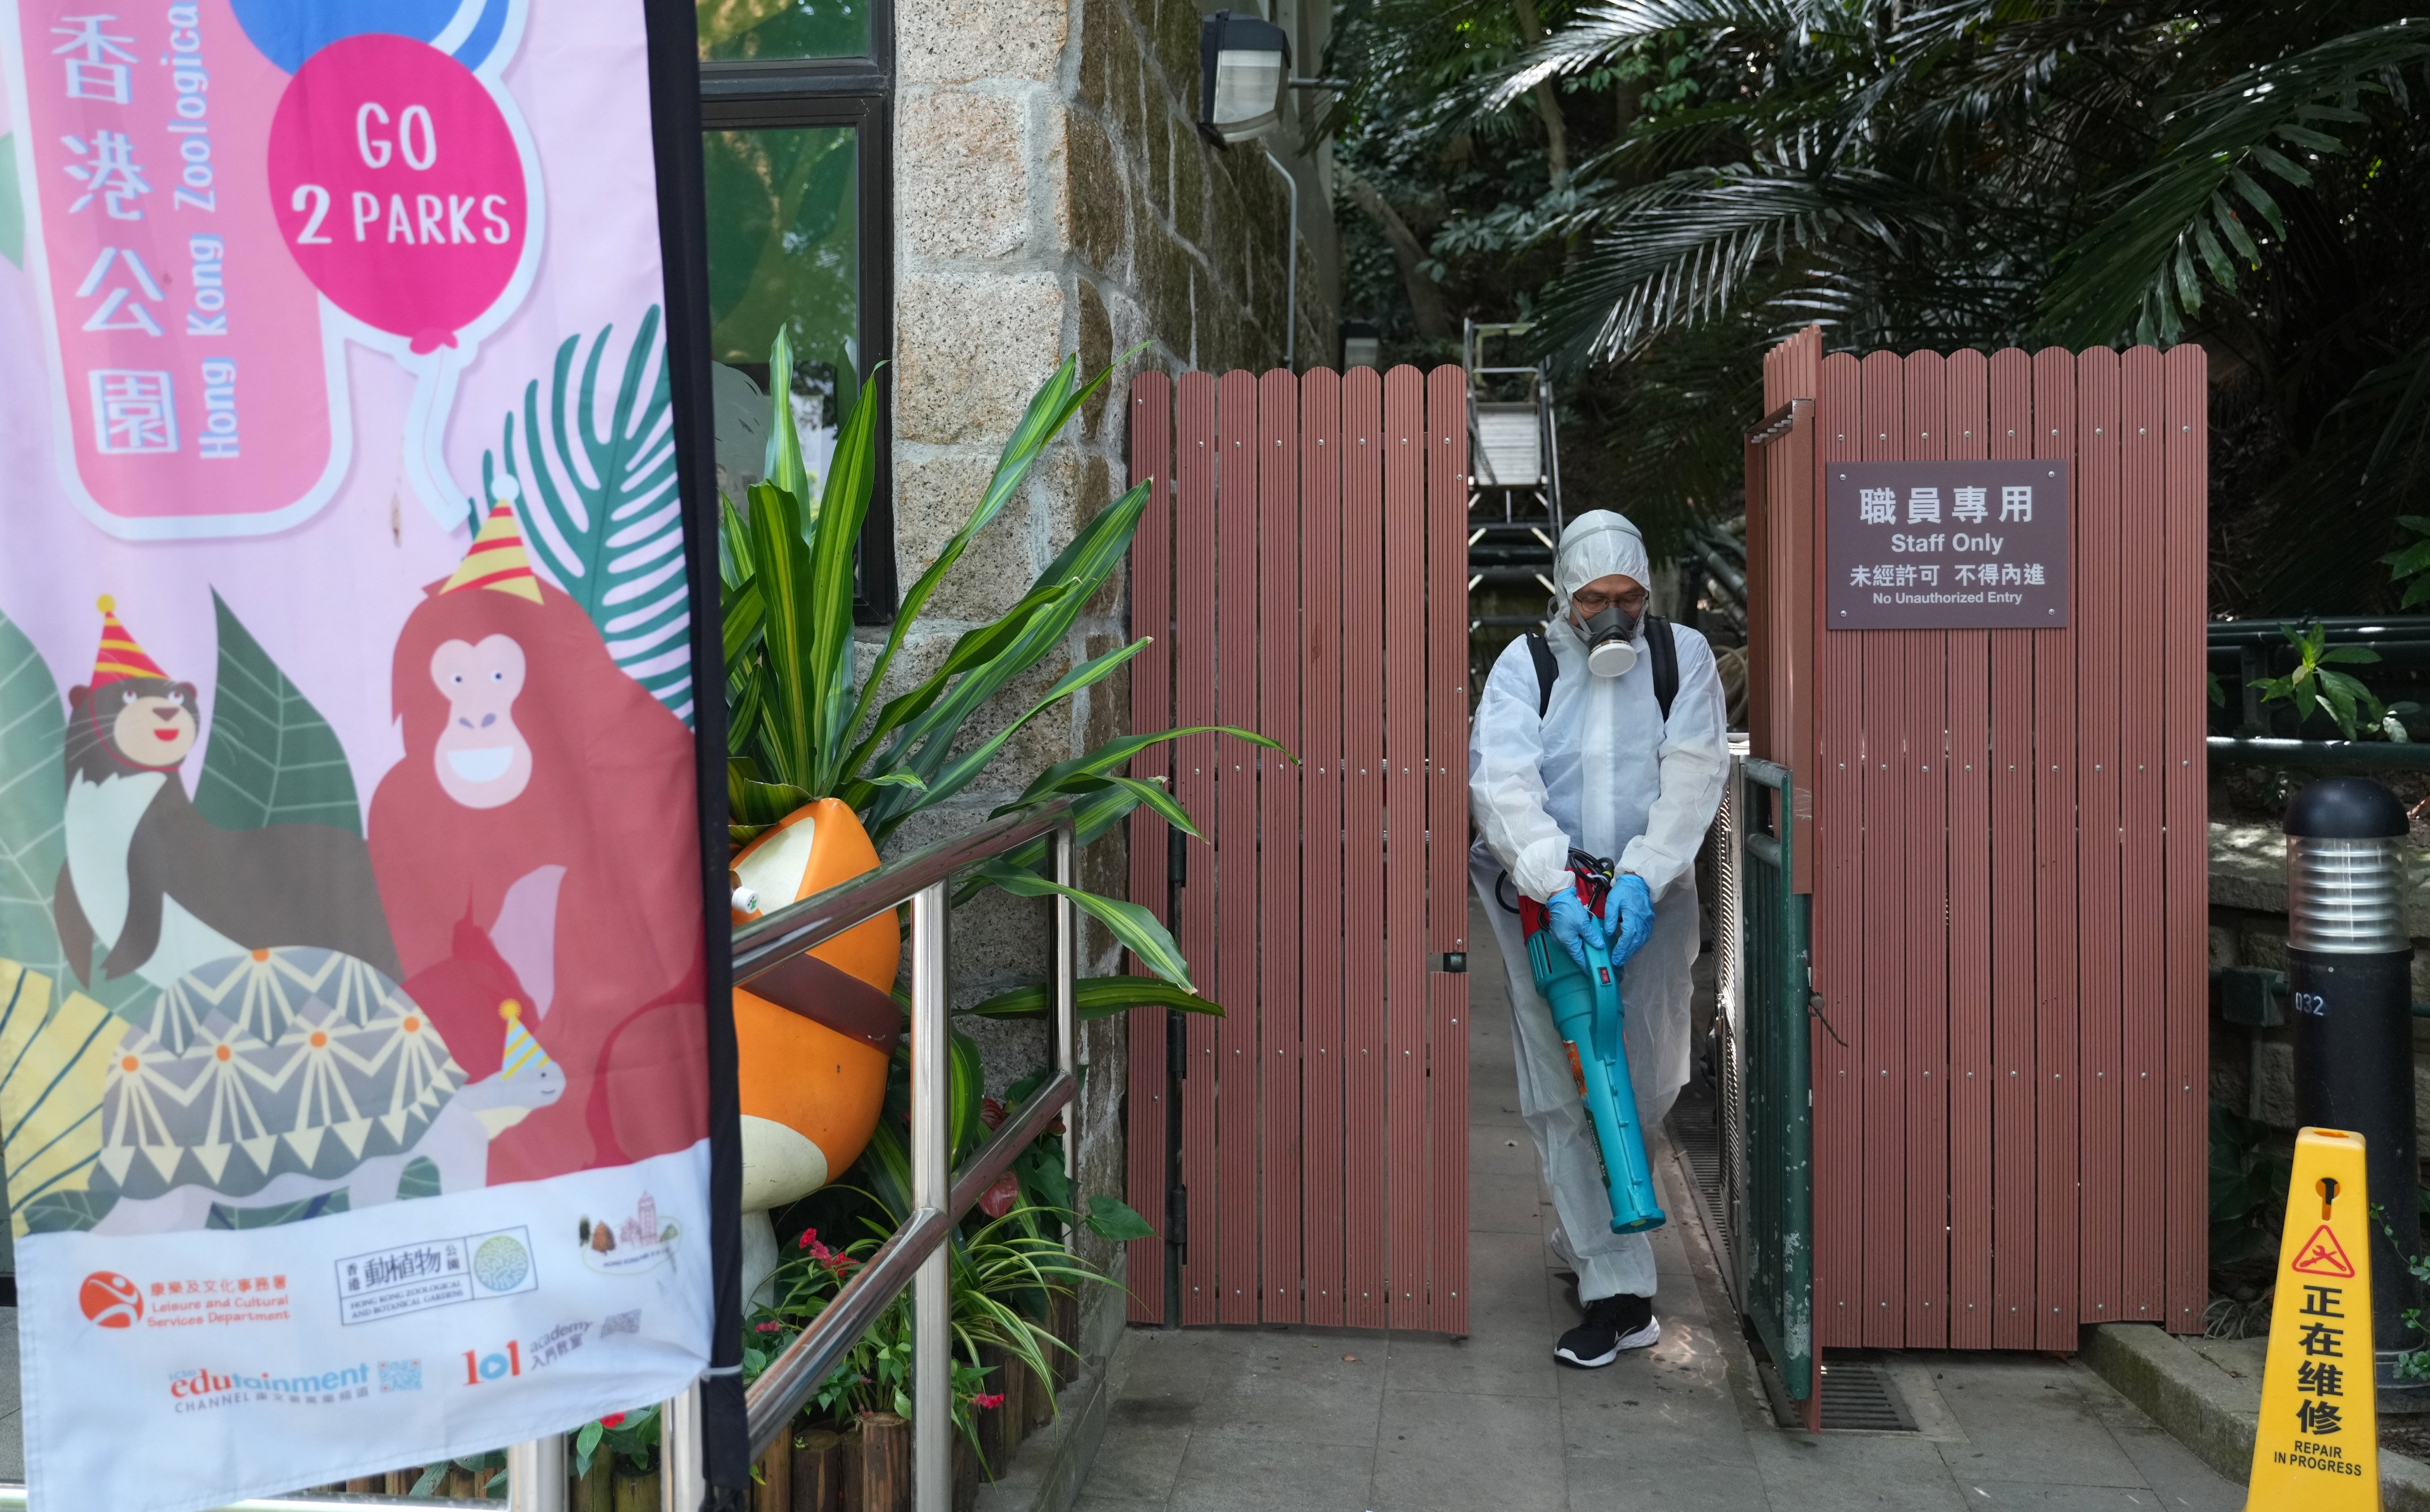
[1067, 973]
[932, 1365]
[536, 1474]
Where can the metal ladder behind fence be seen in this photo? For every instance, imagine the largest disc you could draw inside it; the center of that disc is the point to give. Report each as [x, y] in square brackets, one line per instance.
[1514, 495]
[916, 1255]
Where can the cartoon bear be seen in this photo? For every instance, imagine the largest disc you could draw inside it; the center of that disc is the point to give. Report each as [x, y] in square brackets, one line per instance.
[158, 885]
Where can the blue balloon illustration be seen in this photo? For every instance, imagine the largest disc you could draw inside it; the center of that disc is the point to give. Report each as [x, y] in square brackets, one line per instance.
[289, 31]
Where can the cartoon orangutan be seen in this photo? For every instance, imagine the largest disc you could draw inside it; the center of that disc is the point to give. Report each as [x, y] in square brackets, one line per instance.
[539, 776]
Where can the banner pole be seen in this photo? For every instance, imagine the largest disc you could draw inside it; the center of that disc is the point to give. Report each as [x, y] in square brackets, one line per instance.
[682, 1484]
[707, 1433]
[932, 1363]
[536, 1474]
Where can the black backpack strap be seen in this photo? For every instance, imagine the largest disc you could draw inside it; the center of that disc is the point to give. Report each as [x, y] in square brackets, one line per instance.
[1664, 653]
[1547, 671]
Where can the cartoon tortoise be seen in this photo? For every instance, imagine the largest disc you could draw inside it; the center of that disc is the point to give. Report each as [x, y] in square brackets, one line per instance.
[288, 1083]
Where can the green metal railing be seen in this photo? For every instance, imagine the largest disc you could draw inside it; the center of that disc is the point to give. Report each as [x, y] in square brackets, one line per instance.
[1779, 1246]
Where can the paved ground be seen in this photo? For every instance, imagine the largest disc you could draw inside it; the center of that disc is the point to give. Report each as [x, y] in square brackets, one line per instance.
[1219, 1420]
[12, 1420]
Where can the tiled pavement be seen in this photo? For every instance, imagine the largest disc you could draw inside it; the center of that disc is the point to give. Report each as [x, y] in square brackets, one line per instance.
[12, 1420]
[1236, 1419]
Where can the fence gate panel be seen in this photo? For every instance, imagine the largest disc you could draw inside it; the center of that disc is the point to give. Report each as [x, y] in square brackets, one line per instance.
[1280, 857]
[1304, 576]
[1362, 779]
[1149, 1142]
[1966, 425]
[1192, 642]
[2008, 905]
[1322, 890]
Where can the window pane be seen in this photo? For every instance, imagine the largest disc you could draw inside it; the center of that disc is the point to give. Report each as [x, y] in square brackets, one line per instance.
[783, 28]
[783, 255]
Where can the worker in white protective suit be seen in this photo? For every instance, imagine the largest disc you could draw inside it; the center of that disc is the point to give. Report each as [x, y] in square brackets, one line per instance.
[1590, 762]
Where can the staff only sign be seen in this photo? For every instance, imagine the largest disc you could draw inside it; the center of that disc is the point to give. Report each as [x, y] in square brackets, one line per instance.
[1953, 545]
[353, 963]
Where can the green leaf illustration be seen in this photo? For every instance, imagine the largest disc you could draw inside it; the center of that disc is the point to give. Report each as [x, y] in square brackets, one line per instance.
[60, 1212]
[273, 759]
[600, 506]
[33, 804]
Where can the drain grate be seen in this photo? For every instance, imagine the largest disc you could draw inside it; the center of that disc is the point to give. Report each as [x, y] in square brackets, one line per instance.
[1697, 1136]
[1859, 1396]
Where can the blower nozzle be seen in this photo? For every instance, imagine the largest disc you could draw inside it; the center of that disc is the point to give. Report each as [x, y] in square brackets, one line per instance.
[1588, 1013]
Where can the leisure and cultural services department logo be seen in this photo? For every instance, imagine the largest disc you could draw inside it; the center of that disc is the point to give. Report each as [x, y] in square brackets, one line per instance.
[110, 1300]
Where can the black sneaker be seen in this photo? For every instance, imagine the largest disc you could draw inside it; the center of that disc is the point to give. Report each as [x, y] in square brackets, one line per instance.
[1612, 1324]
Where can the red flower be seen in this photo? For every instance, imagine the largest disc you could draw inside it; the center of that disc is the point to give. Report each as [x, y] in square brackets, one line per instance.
[998, 1199]
[991, 1112]
[840, 1266]
[613, 1419]
[769, 1327]
[810, 1240]
[988, 1401]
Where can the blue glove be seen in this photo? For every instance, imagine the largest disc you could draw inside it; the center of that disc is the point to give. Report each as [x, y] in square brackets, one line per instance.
[1628, 917]
[1577, 929]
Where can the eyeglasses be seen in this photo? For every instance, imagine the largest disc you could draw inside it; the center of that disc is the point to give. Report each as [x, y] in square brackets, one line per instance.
[1593, 603]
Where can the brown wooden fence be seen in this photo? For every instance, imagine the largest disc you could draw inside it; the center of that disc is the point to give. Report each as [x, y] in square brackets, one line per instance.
[2003, 832]
[1303, 566]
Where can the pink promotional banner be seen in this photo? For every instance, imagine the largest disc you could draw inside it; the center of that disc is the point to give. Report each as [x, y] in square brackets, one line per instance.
[355, 1062]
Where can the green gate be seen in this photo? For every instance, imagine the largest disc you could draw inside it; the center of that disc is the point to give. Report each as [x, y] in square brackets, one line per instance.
[1777, 1279]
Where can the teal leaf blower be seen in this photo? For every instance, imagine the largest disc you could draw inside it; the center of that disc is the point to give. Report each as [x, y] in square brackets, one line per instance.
[1586, 1013]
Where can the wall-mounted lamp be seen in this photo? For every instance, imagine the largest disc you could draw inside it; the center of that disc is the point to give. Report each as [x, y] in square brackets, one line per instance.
[1362, 345]
[1243, 64]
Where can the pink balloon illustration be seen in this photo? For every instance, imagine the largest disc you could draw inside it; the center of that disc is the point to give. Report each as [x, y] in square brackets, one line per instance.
[398, 187]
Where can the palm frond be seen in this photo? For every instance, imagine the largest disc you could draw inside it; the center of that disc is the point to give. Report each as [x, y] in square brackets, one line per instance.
[1679, 251]
[2141, 272]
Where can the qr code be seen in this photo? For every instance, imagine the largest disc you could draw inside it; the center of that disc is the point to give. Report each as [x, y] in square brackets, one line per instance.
[400, 1375]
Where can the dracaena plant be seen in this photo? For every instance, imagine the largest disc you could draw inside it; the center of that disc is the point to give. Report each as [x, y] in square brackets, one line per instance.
[803, 726]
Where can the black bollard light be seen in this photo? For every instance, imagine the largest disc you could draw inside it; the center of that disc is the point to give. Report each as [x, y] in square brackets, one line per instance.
[2350, 974]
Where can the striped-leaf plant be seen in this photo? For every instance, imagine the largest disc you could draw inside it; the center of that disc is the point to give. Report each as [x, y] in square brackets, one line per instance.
[802, 726]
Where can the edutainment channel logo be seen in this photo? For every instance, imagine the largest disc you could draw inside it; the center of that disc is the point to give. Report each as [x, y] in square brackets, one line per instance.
[200, 1389]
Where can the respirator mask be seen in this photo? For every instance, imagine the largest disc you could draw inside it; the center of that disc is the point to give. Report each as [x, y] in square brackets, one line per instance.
[1608, 636]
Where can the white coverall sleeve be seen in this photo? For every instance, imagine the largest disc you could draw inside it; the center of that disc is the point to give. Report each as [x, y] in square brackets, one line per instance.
[1695, 761]
[1505, 793]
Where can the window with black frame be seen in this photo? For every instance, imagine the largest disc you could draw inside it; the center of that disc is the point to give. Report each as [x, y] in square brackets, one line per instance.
[797, 111]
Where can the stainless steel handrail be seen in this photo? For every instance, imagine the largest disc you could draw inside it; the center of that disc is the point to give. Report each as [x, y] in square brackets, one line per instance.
[917, 1254]
[13, 1498]
[761, 944]
[916, 1251]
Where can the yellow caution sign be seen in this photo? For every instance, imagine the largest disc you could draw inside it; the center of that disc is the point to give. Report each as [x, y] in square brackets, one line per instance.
[2318, 1447]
